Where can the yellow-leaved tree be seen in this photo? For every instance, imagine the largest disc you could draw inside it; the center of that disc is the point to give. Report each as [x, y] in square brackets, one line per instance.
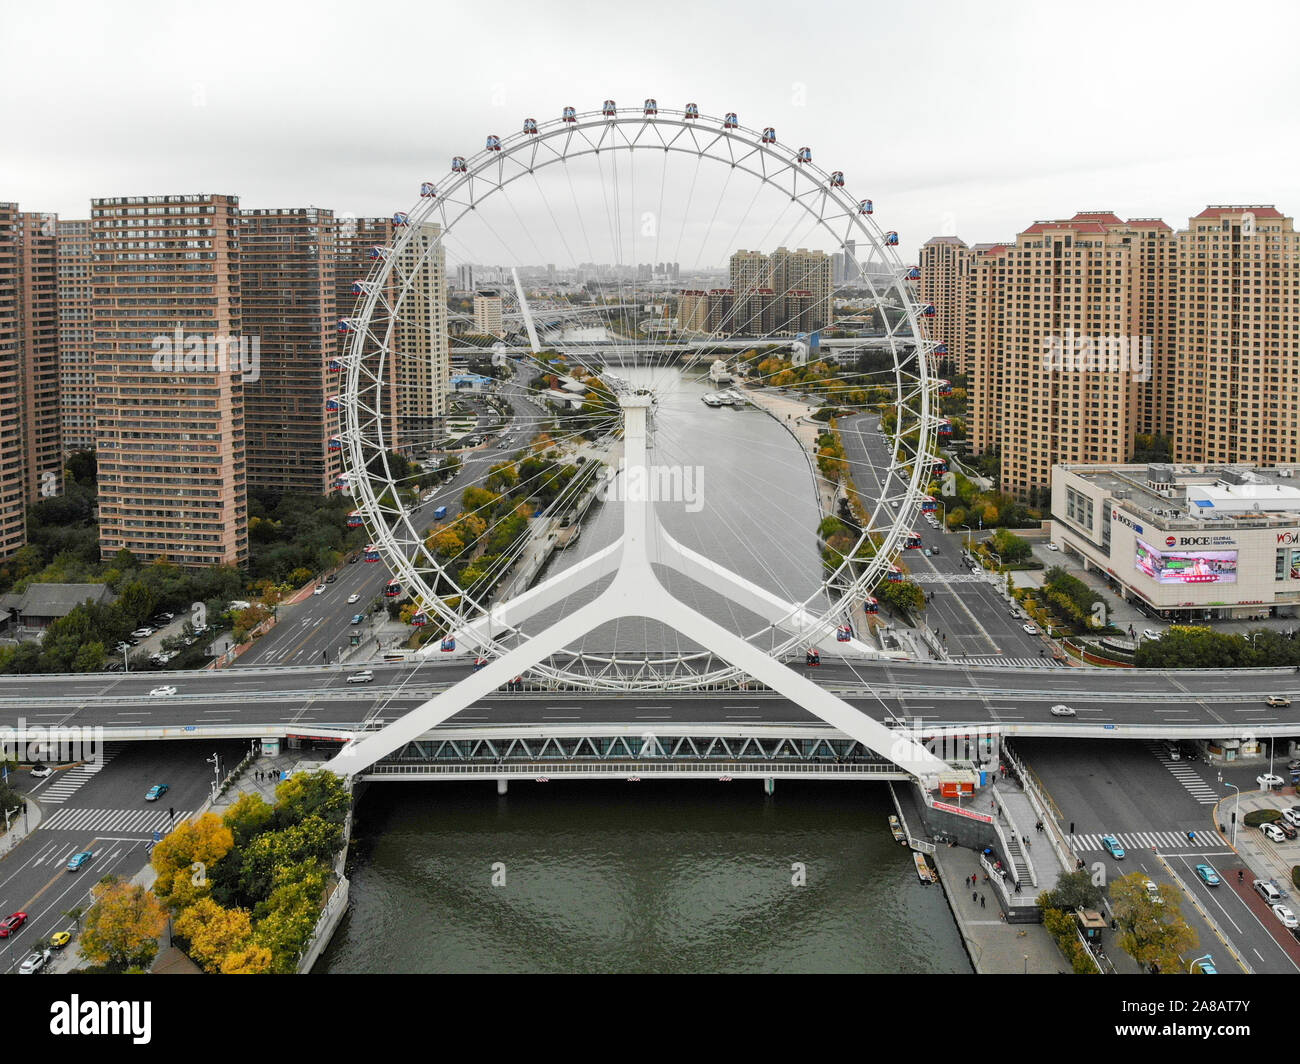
[184, 857]
[121, 929]
[214, 933]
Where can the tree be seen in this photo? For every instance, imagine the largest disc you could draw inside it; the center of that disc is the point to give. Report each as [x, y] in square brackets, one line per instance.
[1151, 932]
[306, 794]
[1074, 890]
[248, 818]
[122, 927]
[253, 959]
[184, 858]
[214, 933]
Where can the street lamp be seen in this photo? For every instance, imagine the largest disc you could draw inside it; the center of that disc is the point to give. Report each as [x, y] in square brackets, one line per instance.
[215, 762]
[969, 530]
[1198, 960]
[1236, 808]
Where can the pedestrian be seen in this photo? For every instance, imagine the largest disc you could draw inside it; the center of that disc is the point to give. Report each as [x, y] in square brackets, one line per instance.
[974, 897]
[982, 905]
[1017, 886]
[1026, 844]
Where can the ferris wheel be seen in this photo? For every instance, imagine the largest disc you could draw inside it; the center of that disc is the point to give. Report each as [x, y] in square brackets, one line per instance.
[588, 370]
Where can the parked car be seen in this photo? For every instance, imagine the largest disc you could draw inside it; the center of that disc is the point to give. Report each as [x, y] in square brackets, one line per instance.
[34, 962]
[1269, 781]
[1272, 832]
[1150, 633]
[361, 677]
[1053, 546]
[1267, 891]
[1112, 846]
[60, 939]
[1292, 815]
[1287, 829]
[156, 791]
[1286, 916]
[1278, 700]
[143, 633]
[1029, 629]
[1208, 874]
[1062, 710]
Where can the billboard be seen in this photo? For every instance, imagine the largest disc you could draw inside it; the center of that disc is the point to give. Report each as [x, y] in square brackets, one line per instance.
[1179, 566]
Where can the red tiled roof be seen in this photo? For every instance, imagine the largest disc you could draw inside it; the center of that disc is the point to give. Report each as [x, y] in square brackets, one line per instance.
[1071, 224]
[1260, 211]
[1105, 217]
[1150, 223]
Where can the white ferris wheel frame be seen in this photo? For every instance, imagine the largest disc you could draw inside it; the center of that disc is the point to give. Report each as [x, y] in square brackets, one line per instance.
[484, 628]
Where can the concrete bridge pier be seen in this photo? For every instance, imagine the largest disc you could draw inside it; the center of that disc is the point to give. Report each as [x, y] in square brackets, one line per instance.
[503, 785]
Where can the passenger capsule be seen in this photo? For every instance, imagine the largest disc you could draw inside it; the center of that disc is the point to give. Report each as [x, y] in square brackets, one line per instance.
[945, 427]
[569, 114]
[419, 619]
[731, 121]
[940, 349]
[913, 541]
[354, 519]
[913, 273]
[769, 135]
[927, 310]
[894, 575]
[608, 109]
[428, 190]
[448, 644]
[458, 164]
[493, 142]
[393, 589]
[651, 107]
[371, 553]
[837, 179]
[692, 111]
[929, 505]
[400, 218]
[844, 633]
[865, 207]
[804, 156]
[891, 239]
[335, 444]
[530, 126]
[379, 253]
[872, 605]
[944, 387]
[332, 403]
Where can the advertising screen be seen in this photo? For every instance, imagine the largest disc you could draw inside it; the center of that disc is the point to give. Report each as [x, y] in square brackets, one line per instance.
[1176, 566]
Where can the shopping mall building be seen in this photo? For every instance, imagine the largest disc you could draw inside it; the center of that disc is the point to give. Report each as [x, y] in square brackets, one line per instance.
[1186, 543]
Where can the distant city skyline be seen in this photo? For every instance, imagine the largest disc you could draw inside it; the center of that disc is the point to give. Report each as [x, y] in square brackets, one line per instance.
[927, 115]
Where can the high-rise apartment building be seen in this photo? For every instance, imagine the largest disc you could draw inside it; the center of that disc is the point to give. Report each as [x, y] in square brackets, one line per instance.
[693, 310]
[13, 491]
[38, 365]
[1237, 367]
[420, 343]
[76, 335]
[170, 357]
[488, 318]
[946, 264]
[802, 271]
[288, 292]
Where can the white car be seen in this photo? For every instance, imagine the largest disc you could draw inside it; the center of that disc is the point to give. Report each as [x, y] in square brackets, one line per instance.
[1292, 816]
[1150, 633]
[361, 677]
[142, 633]
[319, 589]
[1062, 710]
[1286, 916]
[1053, 546]
[34, 963]
[1272, 832]
[162, 692]
[353, 598]
[1029, 629]
[1153, 892]
[41, 771]
[1269, 780]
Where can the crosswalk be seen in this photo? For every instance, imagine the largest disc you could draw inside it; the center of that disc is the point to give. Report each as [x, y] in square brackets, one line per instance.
[125, 821]
[1182, 771]
[1149, 840]
[66, 782]
[1029, 663]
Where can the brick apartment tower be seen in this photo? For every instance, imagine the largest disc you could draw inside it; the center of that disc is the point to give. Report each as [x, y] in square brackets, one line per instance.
[420, 341]
[1237, 374]
[38, 367]
[172, 471]
[946, 264]
[288, 289]
[13, 494]
[76, 336]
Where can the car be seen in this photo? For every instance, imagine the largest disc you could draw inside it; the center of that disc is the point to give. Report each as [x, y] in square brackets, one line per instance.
[41, 771]
[188, 640]
[1208, 874]
[361, 677]
[143, 633]
[156, 791]
[1267, 891]
[927, 552]
[1277, 700]
[1286, 916]
[331, 578]
[1286, 828]
[123, 647]
[1153, 892]
[353, 598]
[935, 549]
[1272, 832]
[78, 859]
[1269, 781]
[1150, 633]
[1112, 846]
[319, 589]
[357, 618]
[1053, 546]
[11, 924]
[1062, 710]
[1029, 629]
[1292, 815]
[34, 962]
[162, 692]
[60, 939]
[1206, 965]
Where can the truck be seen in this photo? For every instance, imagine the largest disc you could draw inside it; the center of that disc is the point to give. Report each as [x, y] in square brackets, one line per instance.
[440, 513]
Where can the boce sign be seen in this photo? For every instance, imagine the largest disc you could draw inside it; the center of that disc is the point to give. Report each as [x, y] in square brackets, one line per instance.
[1123, 519]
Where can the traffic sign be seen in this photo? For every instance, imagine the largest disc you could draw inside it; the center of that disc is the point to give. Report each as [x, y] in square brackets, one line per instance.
[157, 836]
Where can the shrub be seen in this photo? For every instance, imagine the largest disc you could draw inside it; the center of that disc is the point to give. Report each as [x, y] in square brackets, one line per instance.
[1256, 817]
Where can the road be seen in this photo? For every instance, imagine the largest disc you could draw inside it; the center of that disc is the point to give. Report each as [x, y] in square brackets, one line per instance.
[964, 605]
[105, 812]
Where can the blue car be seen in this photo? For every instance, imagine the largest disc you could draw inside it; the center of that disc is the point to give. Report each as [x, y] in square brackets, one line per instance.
[78, 859]
[156, 792]
[1207, 873]
[1113, 847]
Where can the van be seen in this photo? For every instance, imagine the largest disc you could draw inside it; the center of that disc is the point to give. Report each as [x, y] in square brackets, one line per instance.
[1267, 891]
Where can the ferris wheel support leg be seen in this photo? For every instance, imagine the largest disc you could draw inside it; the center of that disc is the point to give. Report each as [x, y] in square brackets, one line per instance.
[543, 596]
[786, 616]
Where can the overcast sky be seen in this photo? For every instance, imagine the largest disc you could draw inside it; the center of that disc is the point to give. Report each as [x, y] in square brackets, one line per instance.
[969, 118]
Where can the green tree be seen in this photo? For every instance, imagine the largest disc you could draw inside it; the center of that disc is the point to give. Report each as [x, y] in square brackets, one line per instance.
[306, 794]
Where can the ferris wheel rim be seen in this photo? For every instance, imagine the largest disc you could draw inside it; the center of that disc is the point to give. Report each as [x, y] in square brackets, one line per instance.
[908, 330]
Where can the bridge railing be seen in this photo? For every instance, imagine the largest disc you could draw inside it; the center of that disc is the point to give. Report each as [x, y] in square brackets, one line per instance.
[659, 767]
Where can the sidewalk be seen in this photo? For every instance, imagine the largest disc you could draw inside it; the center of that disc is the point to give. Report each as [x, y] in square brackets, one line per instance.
[21, 825]
[995, 947]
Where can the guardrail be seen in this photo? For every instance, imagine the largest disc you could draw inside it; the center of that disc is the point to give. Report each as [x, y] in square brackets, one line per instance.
[1051, 826]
